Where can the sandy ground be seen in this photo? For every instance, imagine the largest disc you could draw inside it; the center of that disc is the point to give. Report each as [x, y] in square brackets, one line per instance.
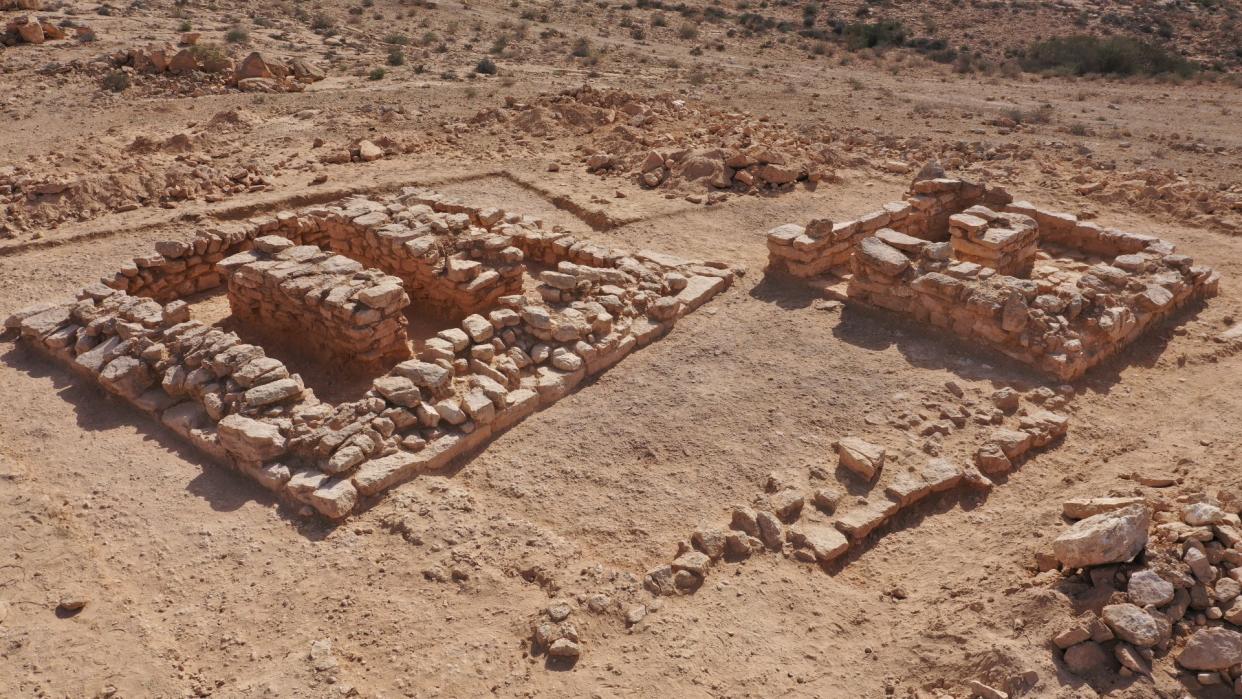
[199, 584]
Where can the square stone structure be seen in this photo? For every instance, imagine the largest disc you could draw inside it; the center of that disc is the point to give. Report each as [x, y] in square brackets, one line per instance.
[520, 347]
[1043, 287]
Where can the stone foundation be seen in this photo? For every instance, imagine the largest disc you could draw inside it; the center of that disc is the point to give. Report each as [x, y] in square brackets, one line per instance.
[1042, 287]
[134, 335]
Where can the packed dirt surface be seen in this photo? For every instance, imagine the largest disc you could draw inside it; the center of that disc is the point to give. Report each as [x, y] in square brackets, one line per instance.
[607, 544]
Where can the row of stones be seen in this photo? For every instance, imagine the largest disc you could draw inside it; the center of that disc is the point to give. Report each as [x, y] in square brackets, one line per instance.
[347, 312]
[1177, 573]
[776, 528]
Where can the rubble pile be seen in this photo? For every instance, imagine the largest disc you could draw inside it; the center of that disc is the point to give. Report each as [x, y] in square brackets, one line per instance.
[134, 335]
[1161, 580]
[662, 142]
[1165, 191]
[30, 200]
[29, 29]
[1091, 292]
[211, 64]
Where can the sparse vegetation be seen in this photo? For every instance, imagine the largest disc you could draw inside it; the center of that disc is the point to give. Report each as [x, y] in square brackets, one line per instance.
[581, 48]
[1116, 55]
[116, 81]
[377, 74]
[237, 35]
[396, 56]
[486, 66]
[874, 35]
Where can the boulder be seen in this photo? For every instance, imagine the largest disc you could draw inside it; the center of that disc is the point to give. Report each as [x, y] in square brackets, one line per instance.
[305, 72]
[1212, 649]
[1110, 537]
[368, 151]
[253, 66]
[31, 31]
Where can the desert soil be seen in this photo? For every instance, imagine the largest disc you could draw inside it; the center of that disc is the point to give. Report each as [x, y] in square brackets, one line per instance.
[198, 583]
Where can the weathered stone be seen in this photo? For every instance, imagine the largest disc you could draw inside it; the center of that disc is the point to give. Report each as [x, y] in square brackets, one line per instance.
[787, 504]
[274, 392]
[127, 376]
[1085, 658]
[825, 543]
[770, 532]
[1111, 537]
[694, 561]
[1081, 508]
[1130, 623]
[335, 498]
[249, 439]
[1146, 587]
[745, 520]
[879, 255]
[425, 375]
[710, 541]
[863, 458]
[1214, 648]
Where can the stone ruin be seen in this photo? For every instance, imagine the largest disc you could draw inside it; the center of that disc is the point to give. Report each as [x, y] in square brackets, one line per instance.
[1045, 288]
[341, 277]
[354, 314]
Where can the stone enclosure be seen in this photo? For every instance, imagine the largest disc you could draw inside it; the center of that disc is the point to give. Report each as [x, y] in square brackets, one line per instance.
[1045, 288]
[347, 279]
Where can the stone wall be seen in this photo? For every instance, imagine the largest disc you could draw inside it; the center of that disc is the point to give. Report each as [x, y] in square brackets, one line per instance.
[1002, 279]
[823, 246]
[333, 306]
[1062, 322]
[473, 380]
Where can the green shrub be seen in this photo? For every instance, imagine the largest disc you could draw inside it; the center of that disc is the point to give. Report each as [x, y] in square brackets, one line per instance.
[377, 74]
[486, 66]
[1115, 55]
[237, 35]
[396, 56]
